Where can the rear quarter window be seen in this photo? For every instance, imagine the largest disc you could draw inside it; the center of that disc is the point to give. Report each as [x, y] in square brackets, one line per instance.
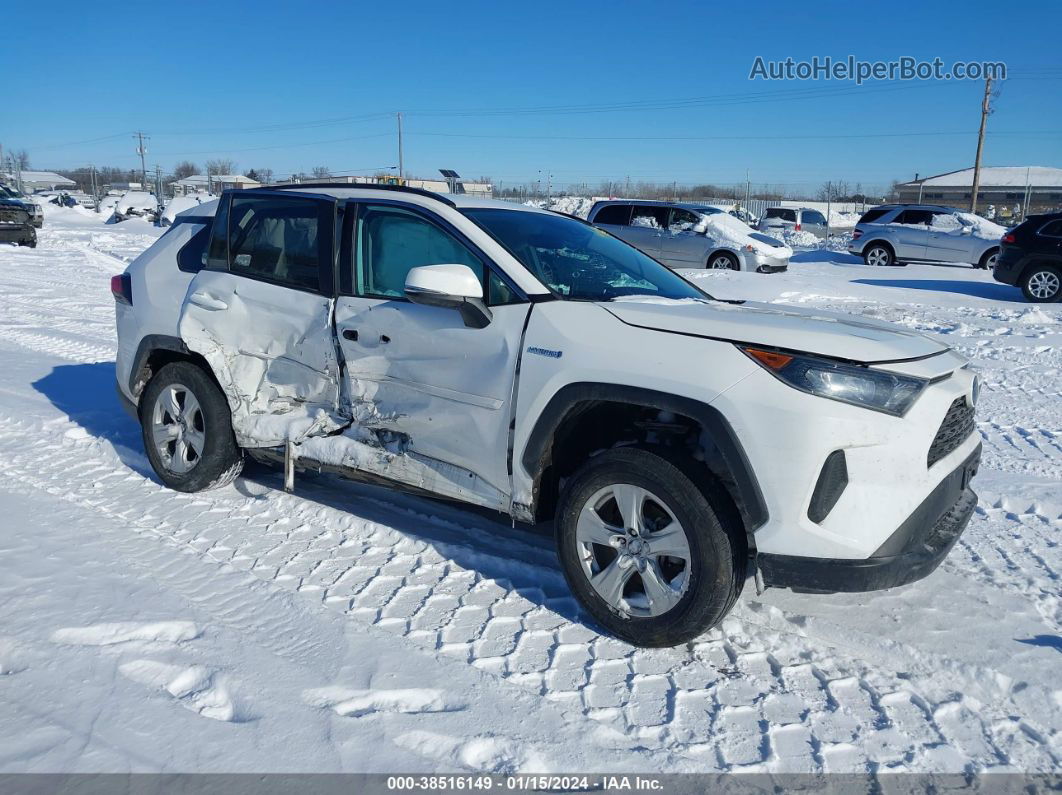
[1052, 229]
[782, 213]
[615, 214]
[870, 216]
[192, 254]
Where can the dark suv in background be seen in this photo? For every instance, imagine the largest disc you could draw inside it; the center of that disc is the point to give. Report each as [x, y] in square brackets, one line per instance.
[1030, 257]
[16, 224]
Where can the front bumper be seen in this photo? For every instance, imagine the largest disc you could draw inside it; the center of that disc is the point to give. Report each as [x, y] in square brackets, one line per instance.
[912, 552]
[13, 233]
[760, 263]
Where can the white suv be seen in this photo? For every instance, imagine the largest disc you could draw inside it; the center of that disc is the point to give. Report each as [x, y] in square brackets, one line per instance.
[528, 362]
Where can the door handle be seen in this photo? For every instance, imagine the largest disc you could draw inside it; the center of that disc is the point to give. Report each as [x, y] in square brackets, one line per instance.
[207, 301]
[350, 334]
[384, 338]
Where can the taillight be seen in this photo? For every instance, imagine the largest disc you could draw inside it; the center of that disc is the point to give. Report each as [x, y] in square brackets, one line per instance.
[856, 234]
[122, 288]
[1009, 238]
[797, 227]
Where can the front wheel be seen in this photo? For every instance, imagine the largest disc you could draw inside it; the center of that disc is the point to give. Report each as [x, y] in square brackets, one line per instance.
[643, 550]
[1042, 284]
[722, 260]
[187, 429]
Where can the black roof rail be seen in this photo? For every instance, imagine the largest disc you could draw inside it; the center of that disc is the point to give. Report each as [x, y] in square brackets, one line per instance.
[361, 186]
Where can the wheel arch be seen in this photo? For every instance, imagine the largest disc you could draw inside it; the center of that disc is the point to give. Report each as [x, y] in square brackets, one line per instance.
[155, 352]
[583, 418]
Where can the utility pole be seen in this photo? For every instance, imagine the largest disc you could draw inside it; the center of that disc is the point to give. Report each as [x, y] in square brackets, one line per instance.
[158, 183]
[748, 190]
[986, 108]
[401, 170]
[95, 193]
[140, 150]
[627, 195]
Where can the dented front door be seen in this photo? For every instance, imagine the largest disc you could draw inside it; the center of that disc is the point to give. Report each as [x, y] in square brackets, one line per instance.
[260, 313]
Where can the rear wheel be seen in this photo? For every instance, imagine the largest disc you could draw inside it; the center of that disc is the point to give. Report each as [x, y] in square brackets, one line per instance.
[722, 260]
[1042, 284]
[988, 259]
[644, 551]
[187, 429]
[878, 255]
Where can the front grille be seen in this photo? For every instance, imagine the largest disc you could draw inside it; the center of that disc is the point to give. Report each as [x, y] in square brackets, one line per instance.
[957, 426]
[13, 215]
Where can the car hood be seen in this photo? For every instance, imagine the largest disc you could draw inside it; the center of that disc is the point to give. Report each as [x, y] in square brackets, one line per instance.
[792, 328]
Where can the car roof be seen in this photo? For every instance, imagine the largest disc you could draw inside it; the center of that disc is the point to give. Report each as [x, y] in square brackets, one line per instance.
[899, 205]
[461, 201]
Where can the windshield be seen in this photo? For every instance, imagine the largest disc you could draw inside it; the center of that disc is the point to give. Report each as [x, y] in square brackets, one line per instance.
[578, 261]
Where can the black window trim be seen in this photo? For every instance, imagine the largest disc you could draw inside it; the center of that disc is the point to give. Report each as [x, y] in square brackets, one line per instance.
[353, 208]
[326, 281]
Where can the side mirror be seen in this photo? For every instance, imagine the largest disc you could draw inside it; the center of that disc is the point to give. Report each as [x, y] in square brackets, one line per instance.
[450, 286]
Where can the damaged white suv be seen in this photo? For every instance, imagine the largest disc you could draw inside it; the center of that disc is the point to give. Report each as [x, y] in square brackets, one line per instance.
[527, 362]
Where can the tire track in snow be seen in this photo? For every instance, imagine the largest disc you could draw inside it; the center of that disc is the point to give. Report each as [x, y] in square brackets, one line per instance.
[520, 627]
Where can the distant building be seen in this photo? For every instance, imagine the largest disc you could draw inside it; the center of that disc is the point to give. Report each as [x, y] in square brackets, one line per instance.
[1009, 189]
[200, 183]
[39, 180]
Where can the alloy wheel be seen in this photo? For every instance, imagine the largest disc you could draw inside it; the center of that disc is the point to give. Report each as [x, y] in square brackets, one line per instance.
[1044, 285]
[634, 551]
[178, 428]
[877, 257]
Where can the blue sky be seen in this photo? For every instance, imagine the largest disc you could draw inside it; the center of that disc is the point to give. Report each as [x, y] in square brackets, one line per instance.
[290, 86]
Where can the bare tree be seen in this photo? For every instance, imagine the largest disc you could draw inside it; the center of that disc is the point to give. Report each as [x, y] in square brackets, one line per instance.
[185, 168]
[265, 175]
[21, 159]
[221, 166]
[321, 172]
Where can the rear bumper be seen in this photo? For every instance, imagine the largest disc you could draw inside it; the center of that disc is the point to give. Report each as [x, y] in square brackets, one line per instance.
[912, 552]
[1009, 266]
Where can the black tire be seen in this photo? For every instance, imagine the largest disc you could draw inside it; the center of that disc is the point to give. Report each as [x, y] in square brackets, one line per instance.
[714, 261]
[983, 263]
[879, 254]
[222, 459]
[1038, 277]
[716, 572]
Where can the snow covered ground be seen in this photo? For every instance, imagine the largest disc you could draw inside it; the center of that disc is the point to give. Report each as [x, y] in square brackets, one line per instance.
[347, 628]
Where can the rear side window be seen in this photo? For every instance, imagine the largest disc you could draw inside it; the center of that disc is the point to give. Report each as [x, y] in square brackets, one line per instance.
[192, 256]
[782, 213]
[870, 216]
[282, 239]
[914, 217]
[650, 217]
[616, 214]
[1052, 229]
[812, 217]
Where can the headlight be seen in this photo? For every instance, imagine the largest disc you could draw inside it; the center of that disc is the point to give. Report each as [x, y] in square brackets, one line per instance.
[861, 386]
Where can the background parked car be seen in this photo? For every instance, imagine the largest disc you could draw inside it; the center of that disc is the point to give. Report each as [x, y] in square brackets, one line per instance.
[136, 204]
[897, 233]
[1030, 257]
[690, 236]
[777, 220]
[15, 223]
[33, 207]
[745, 216]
